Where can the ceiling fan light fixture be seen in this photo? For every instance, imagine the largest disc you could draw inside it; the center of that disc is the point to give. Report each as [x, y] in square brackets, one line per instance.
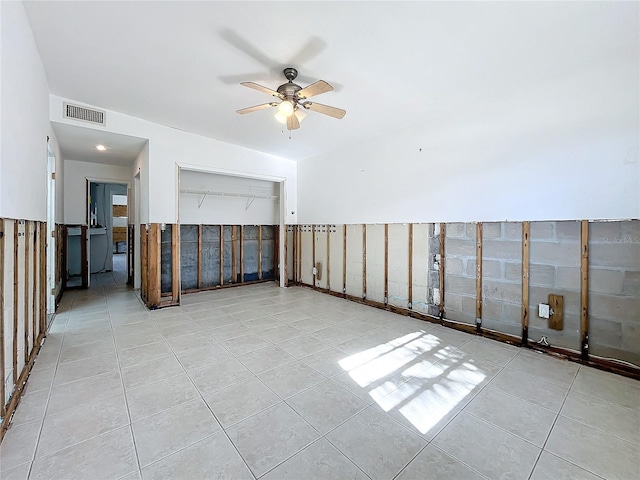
[285, 108]
[281, 118]
[300, 114]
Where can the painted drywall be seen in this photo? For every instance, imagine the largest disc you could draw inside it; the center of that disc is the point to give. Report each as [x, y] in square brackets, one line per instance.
[169, 147]
[75, 186]
[24, 119]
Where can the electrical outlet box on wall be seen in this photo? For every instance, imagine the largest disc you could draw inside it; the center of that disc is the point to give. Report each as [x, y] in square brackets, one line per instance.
[556, 312]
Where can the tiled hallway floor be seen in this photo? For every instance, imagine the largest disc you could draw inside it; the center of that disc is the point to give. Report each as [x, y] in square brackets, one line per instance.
[262, 382]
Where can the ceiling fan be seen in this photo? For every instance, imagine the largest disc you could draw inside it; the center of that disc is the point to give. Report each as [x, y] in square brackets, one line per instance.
[293, 100]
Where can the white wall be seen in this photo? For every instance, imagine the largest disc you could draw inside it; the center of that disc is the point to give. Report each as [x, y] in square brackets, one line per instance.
[499, 170]
[169, 147]
[24, 119]
[75, 186]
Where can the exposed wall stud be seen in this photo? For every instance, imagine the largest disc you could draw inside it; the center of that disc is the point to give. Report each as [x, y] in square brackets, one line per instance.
[154, 265]
[328, 257]
[344, 259]
[199, 257]
[584, 290]
[16, 316]
[2, 355]
[364, 261]
[175, 261]
[84, 255]
[478, 276]
[43, 279]
[443, 231]
[526, 229]
[386, 263]
[410, 279]
[241, 253]
[144, 264]
[35, 283]
[286, 256]
[234, 254]
[221, 255]
[260, 252]
[25, 291]
[313, 255]
[276, 254]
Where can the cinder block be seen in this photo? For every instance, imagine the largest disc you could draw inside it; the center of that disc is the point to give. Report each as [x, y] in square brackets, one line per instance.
[630, 232]
[631, 284]
[552, 253]
[513, 271]
[631, 336]
[606, 281]
[453, 301]
[613, 307]
[503, 327]
[512, 313]
[605, 232]
[543, 275]
[455, 230]
[512, 231]
[459, 247]
[460, 285]
[612, 352]
[491, 230]
[453, 266]
[621, 255]
[509, 292]
[605, 332]
[469, 306]
[492, 309]
[542, 230]
[502, 249]
[568, 278]
[490, 268]
[568, 230]
[470, 230]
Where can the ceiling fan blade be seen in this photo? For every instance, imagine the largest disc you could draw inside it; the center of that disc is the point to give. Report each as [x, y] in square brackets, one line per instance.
[262, 89]
[256, 108]
[292, 122]
[315, 89]
[325, 109]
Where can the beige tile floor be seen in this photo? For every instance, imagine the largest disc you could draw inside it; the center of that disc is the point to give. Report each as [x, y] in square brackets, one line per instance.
[261, 382]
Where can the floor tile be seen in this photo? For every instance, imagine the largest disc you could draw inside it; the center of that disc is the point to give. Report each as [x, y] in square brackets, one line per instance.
[108, 456]
[552, 370]
[218, 376]
[81, 423]
[230, 331]
[19, 444]
[184, 343]
[593, 450]
[319, 461]
[270, 437]
[87, 350]
[196, 358]
[531, 389]
[259, 361]
[167, 432]
[489, 350]
[281, 333]
[369, 391]
[611, 388]
[334, 335]
[486, 448]
[156, 397]
[212, 458]
[526, 420]
[376, 444]
[550, 467]
[138, 339]
[433, 464]
[245, 344]
[233, 404]
[327, 362]
[326, 405]
[143, 354]
[290, 379]
[302, 346]
[82, 392]
[21, 472]
[88, 367]
[150, 372]
[32, 407]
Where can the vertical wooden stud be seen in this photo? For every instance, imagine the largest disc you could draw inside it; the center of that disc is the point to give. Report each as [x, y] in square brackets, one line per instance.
[84, 238]
[344, 259]
[410, 279]
[364, 261]
[16, 312]
[300, 253]
[2, 371]
[35, 303]
[584, 290]
[44, 286]
[260, 252]
[294, 254]
[241, 253]
[27, 249]
[276, 254]
[199, 257]
[443, 231]
[286, 256]
[313, 255]
[221, 255]
[154, 265]
[526, 229]
[234, 254]
[144, 264]
[386, 263]
[478, 276]
[175, 260]
[328, 258]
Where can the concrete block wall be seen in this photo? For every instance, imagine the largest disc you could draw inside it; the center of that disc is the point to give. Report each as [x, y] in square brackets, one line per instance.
[614, 290]
[422, 262]
[375, 263]
[399, 265]
[354, 260]
[335, 278]
[321, 255]
[555, 268]
[501, 276]
[460, 275]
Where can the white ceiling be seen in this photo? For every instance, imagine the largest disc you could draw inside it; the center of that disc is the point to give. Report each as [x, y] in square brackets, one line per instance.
[395, 65]
[77, 143]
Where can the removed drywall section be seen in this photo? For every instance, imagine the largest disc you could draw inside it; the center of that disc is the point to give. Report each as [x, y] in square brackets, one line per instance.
[422, 289]
[555, 269]
[460, 274]
[614, 290]
[321, 256]
[354, 285]
[375, 263]
[210, 268]
[501, 277]
[306, 257]
[336, 258]
[398, 258]
[269, 253]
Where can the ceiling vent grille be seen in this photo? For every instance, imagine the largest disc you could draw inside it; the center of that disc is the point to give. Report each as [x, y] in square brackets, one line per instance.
[84, 114]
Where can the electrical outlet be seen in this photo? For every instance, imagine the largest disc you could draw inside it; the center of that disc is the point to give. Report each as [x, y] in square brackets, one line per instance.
[543, 310]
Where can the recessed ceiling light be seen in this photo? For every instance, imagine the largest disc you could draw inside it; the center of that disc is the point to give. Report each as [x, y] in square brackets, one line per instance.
[101, 148]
